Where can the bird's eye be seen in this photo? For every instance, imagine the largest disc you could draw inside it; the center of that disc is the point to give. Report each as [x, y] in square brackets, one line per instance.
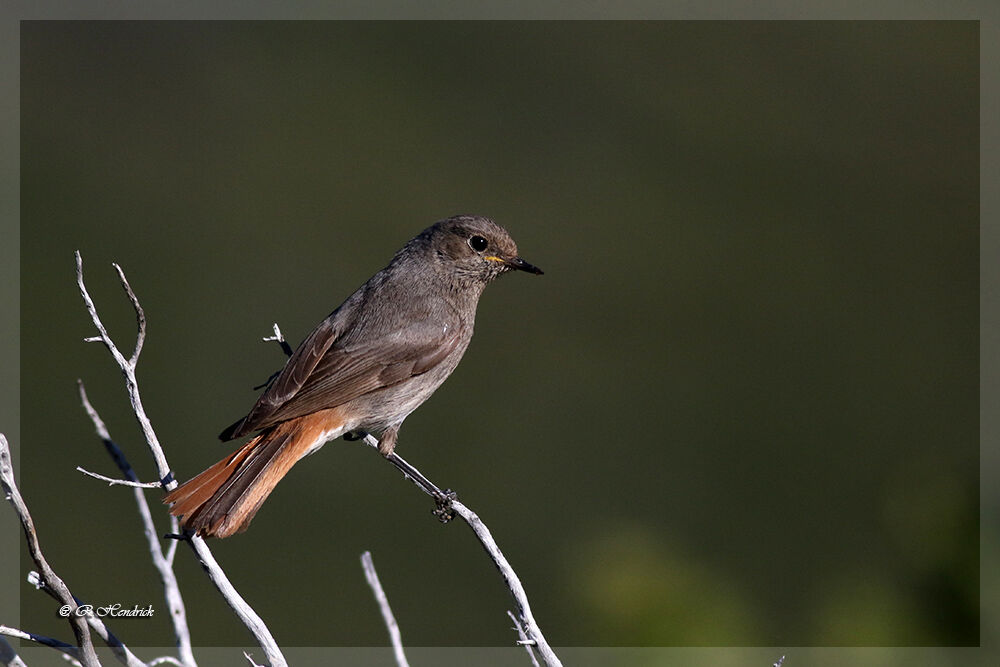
[478, 243]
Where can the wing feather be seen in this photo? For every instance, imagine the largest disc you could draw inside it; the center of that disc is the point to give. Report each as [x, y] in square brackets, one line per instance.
[326, 371]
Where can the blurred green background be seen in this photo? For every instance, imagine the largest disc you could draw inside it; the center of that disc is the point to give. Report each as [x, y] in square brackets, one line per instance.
[740, 408]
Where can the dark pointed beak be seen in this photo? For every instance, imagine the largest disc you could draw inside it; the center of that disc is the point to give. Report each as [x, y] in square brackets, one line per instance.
[521, 265]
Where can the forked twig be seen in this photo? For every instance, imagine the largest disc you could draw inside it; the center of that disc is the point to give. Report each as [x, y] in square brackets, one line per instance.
[121, 652]
[451, 503]
[80, 628]
[203, 554]
[523, 641]
[447, 503]
[162, 561]
[127, 366]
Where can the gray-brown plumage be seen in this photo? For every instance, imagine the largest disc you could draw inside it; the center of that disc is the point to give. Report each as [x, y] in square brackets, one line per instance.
[367, 366]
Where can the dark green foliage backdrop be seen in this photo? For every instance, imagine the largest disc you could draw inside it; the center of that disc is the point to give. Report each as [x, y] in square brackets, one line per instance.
[741, 407]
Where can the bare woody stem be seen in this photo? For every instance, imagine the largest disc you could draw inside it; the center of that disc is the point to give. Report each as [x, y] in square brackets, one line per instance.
[121, 652]
[162, 561]
[47, 584]
[202, 553]
[525, 617]
[447, 502]
[383, 604]
[86, 655]
[68, 650]
[8, 656]
[524, 641]
[127, 366]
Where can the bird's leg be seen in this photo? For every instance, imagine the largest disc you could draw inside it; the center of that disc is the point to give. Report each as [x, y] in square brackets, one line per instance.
[388, 441]
[442, 499]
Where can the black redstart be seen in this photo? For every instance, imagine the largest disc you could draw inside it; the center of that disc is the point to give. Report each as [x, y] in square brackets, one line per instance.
[367, 366]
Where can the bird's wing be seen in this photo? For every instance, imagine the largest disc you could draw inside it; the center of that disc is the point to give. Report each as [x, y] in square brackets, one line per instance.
[327, 371]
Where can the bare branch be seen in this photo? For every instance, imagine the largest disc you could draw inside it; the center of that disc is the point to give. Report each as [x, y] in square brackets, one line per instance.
[48, 575]
[527, 620]
[410, 472]
[140, 315]
[279, 339]
[172, 549]
[202, 552]
[121, 652]
[163, 565]
[165, 660]
[383, 604]
[236, 602]
[119, 482]
[62, 647]
[524, 641]
[127, 367]
[250, 660]
[8, 656]
[531, 628]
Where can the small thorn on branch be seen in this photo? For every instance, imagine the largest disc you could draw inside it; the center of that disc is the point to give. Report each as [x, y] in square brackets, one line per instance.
[280, 340]
[35, 580]
[524, 641]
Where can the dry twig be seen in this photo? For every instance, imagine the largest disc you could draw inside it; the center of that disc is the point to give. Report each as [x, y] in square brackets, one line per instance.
[8, 656]
[52, 585]
[383, 604]
[447, 503]
[162, 560]
[66, 649]
[523, 641]
[52, 581]
[204, 556]
[119, 482]
[118, 649]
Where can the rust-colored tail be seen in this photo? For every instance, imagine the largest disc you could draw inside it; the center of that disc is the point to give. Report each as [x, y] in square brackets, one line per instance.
[223, 499]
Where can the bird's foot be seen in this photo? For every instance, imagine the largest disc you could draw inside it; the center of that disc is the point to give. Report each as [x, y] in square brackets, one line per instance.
[443, 510]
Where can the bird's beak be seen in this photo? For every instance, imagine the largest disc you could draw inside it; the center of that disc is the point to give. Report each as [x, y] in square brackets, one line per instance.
[518, 264]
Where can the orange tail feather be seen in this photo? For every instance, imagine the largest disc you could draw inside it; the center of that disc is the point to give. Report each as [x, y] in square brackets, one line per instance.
[222, 500]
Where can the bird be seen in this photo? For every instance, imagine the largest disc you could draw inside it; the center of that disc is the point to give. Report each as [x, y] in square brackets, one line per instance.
[364, 368]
